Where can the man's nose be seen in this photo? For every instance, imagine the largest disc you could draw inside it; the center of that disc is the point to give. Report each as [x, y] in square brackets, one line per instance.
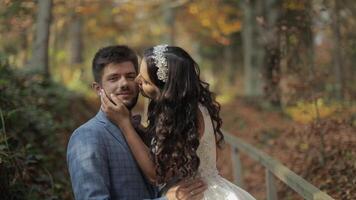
[123, 83]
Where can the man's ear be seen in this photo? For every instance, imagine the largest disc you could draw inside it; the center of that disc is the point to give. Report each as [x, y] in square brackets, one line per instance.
[97, 87]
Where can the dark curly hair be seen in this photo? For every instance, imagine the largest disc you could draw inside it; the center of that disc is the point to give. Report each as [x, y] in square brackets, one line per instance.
[172, 119]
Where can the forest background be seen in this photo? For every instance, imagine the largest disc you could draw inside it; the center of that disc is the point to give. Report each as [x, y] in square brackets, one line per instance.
[284, 72]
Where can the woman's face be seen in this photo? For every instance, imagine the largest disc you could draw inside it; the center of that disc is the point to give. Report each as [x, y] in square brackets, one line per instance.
[147, 88]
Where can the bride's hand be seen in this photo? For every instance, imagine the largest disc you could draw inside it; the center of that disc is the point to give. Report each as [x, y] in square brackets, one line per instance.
[115, 110]
[187, 189]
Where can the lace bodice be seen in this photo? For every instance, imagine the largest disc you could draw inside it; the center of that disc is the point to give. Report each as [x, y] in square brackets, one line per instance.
[207, 148]
[218, 187]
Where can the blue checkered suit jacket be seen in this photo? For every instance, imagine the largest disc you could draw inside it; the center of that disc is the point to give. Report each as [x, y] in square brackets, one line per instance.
[101, 165]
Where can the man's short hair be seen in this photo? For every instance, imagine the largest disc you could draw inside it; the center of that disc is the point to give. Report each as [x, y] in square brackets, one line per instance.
[112, 54]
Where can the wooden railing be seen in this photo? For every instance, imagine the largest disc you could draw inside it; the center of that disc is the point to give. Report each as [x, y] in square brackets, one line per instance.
[273, 169]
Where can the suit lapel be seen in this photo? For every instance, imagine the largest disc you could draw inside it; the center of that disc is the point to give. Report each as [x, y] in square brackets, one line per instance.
[117, 134]
[112, 128]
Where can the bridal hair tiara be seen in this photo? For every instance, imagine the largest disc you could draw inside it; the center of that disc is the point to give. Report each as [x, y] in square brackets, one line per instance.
[161, 62]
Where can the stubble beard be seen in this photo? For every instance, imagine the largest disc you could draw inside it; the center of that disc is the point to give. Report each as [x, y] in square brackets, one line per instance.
[132, 103]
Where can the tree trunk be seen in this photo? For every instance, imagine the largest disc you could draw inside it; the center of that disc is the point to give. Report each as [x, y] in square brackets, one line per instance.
[40, 51]
[169, 20]
[271, 72]
[24, 48]
[337, 52]
[76, 41]
[253, 49]
[229, 65]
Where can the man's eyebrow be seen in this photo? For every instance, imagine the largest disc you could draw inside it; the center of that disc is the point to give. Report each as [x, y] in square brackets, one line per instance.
[132, 73]
[113, 74]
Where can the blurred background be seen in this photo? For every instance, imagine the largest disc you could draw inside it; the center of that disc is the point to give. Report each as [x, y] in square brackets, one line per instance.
[284, 72]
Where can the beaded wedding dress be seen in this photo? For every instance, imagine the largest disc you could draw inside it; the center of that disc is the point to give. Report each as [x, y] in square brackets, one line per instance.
[218, 187]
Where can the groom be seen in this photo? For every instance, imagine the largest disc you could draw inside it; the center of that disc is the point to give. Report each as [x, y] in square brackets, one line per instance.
[100, 163]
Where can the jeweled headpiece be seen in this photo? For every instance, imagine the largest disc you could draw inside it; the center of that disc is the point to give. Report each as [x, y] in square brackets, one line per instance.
[161, 62]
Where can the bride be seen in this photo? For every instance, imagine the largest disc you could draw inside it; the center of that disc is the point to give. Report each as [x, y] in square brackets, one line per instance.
[183, 124]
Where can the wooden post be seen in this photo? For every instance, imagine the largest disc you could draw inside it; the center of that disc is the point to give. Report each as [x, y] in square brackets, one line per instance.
[274, 169]
[271, 186]
[237, 167]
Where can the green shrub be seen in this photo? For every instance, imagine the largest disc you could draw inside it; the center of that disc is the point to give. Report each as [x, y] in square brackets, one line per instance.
[35, 123]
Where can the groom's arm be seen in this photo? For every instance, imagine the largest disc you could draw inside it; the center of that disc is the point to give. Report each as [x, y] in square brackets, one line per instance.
[87, 164]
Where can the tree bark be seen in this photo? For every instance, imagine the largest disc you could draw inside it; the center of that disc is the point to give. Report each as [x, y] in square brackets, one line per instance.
[40, 51]
[271, 71]
[253, 49]
[76, 40]
[338, 64]
[169, 20]
[229, 64]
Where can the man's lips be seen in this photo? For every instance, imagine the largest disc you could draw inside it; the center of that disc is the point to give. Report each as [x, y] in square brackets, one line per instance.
[124, 94]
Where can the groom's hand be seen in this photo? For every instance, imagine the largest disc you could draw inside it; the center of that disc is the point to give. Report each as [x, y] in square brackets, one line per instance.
[191, 189]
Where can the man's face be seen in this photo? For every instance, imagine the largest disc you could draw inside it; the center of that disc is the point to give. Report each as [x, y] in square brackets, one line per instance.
[119, 79]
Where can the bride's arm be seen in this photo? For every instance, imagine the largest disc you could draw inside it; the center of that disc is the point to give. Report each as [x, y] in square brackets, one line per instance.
[120, 115]
[140, 151]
